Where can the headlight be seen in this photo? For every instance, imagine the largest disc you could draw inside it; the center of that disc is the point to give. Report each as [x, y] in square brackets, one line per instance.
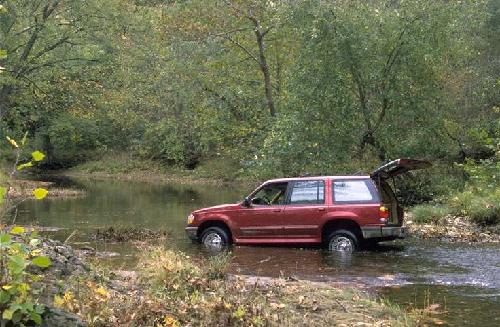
[190, 219]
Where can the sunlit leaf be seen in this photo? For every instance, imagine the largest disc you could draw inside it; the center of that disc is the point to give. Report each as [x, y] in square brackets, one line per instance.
[16, 264]
[12, 142]
[102, 291]
[7, 314]
[24, 165]
[41, 261]
[3, 53]
[37, 156]
[17, 230]
[5, 240]
[40, 193]
[58, 301]
[34, 242]
[3, 192]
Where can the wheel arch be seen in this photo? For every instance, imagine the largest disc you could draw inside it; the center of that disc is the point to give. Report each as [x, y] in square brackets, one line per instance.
[214, 223]
[341, 223]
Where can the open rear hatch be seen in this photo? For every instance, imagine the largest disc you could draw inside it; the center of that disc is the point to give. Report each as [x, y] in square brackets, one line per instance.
[398, 167]
[389, 170]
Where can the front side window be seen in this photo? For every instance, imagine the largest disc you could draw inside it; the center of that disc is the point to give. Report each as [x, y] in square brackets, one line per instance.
[308, 192]
[354, 191]
[270, 194]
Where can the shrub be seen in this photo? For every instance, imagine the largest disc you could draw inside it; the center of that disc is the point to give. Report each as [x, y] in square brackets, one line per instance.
[69, 140]
[430, 213]
[487, 214]
[18, 303]
[18, 252]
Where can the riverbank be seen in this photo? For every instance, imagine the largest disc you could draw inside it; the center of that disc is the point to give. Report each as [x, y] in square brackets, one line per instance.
[168, 288]
[23, 188]
[124, 167]
[453, 229]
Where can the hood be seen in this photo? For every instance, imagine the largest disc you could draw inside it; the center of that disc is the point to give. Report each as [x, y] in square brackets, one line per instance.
[222, 207]
[398, 167]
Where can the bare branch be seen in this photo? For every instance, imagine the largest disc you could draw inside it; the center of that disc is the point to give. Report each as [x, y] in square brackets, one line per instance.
[53, 63]
[49, 48]
[239, 45]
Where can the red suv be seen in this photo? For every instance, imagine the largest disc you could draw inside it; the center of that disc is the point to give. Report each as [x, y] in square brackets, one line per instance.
[339, 211]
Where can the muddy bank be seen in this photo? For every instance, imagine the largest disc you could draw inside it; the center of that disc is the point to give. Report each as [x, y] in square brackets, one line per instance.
[153, 177]
[21, 188]
[454, 229]
[127, 234]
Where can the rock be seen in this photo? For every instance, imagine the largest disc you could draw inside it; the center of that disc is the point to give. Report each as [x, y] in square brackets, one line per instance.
[57, 318]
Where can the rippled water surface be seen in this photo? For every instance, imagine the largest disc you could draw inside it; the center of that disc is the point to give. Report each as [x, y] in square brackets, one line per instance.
[463, 279]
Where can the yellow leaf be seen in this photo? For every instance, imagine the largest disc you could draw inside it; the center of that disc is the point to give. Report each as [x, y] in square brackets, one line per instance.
[58, 301]
[37, 156]
[40, 193]
[7, 287]
[17, 230]
[12, 142]
[36, 252]
[102, 291]
[24, 165]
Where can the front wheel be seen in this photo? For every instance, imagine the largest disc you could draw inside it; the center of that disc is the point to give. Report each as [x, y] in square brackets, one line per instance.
[342, 241]
[215, 238]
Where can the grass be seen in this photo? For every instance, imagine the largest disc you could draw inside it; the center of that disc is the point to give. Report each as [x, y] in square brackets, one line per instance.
[481, 208]
[430, 213]
[125, 166]
[173, 289]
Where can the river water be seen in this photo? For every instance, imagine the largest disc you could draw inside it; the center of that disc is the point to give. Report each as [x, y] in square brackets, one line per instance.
[463, 279]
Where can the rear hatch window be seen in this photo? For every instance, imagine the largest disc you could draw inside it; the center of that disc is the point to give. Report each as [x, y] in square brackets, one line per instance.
[355, 191]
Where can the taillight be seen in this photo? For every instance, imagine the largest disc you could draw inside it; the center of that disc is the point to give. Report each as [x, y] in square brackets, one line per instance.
[383, 213]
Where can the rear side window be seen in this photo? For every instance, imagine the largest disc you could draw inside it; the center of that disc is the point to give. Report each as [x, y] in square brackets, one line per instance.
[354, 191]
[308, 192]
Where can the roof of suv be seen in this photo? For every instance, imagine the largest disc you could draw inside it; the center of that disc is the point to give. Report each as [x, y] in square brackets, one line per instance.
[318, 177]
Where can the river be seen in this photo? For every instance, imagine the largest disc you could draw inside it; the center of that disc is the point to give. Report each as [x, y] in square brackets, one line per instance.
[463, 279]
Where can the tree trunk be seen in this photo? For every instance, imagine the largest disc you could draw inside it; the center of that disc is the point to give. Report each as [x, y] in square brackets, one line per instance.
[264, 67]
[368, 138]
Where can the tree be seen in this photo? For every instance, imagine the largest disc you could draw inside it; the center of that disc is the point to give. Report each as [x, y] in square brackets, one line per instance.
[372, 74]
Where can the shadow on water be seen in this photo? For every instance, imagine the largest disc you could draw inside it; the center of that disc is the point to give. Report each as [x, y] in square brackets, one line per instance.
[462, 278]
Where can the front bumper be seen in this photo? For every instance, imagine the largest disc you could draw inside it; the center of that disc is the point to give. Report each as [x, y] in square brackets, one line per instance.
[386, 232]
[192, 233]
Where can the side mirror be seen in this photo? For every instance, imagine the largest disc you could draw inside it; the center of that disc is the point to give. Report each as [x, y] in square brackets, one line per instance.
[247, 202]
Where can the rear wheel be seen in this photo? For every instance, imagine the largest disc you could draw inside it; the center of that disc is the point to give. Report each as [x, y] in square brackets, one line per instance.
[342, 241]
[215, 238]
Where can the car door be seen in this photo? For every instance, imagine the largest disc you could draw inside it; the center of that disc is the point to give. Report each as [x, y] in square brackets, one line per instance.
[304, 208]
[263, 218]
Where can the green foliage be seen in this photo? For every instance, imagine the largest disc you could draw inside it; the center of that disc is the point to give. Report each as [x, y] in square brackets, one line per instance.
[430, 213]
[184, 83]
[18, 300]
[72, 139]
[18, 253]
[479, 200]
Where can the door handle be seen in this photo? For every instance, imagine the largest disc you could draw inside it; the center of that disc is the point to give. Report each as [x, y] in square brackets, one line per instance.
[321, 209]
[276, 210]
